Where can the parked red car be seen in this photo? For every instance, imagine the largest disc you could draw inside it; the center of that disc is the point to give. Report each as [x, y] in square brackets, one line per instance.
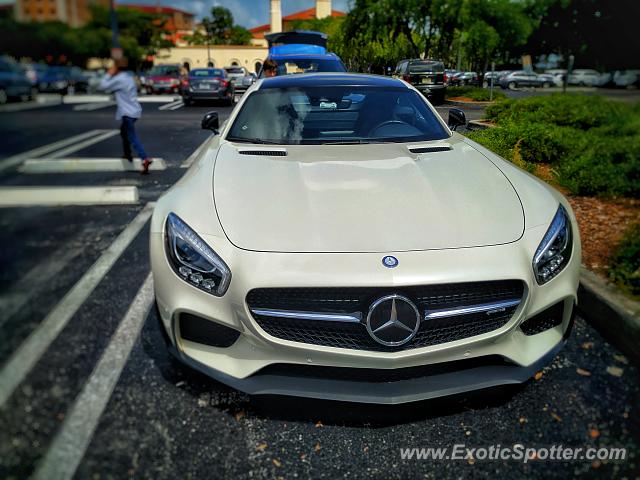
[163, 79]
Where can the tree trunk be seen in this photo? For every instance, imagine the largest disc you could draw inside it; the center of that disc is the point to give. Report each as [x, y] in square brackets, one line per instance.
[427, 45]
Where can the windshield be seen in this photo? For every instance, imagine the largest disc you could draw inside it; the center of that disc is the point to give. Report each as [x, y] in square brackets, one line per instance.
[235, 71]
[426, 66]
[165, 70]
[340, 114]
[305, 65]
[211, 72]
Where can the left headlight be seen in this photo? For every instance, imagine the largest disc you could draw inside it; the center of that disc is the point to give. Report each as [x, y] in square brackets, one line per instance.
[554, 251]
[193, 260]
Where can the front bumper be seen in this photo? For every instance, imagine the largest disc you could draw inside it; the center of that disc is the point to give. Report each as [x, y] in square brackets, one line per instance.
[436, 385]
[243, 365]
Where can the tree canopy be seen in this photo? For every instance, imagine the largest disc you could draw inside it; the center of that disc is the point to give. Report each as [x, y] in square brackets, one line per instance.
[469, 32]
[141, 34]
[219, 29]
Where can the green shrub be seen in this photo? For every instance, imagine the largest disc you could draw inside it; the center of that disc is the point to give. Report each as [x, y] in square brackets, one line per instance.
[604, 167]
[577, 111]
[474, 93]
[592, 143]
[625, 268]
[533, 142]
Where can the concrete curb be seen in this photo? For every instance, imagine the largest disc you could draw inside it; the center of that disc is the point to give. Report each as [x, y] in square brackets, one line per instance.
[480, 125]
[468, 104]
[616, 317]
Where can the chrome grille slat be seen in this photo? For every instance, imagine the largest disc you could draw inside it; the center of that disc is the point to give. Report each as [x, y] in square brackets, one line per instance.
[355, 317]
[482, 308]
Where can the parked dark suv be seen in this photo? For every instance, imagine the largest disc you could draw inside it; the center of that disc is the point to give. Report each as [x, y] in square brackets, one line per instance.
[426, 75]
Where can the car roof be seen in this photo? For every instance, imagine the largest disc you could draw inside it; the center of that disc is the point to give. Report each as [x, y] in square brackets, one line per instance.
[205, 69]
[420, 60]
[305, 56]
[330, 79]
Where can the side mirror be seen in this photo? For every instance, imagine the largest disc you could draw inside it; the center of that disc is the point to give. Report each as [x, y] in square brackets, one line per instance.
[457, 118]
[211, 122]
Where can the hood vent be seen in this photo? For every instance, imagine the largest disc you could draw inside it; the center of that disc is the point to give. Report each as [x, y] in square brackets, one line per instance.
[433, 149]
[265, 153]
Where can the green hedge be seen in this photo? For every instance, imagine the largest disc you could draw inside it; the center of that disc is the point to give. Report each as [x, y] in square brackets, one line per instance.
[625, 269]
[474, 93]
[592, 143]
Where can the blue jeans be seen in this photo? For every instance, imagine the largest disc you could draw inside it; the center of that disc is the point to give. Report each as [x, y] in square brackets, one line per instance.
[129, 137]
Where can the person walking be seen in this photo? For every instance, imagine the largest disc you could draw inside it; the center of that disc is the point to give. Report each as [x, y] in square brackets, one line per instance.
[121, 84]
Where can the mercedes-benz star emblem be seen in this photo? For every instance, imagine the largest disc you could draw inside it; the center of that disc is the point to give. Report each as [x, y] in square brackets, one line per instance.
[393, 320]
[390, 261]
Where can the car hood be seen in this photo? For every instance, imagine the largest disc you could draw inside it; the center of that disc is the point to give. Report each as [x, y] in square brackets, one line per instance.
[160, 78]
[363, 198]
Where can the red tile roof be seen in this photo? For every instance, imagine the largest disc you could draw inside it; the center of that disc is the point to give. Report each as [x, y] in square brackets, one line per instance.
[155, 9]
[308, 14]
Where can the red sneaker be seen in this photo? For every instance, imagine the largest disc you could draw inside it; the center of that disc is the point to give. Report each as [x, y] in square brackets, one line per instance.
[145, 165]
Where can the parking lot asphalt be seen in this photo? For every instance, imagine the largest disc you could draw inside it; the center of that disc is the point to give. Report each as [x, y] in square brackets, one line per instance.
[70, 290]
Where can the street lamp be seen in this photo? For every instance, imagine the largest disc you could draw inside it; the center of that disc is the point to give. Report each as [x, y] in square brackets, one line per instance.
[207, 29]
[116, 51]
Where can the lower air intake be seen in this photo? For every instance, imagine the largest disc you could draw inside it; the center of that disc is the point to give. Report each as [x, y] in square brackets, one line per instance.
[200, 330]
[549, 318]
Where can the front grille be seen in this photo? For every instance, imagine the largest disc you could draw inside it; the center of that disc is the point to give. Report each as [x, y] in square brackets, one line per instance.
[379, 375]
[359, 299]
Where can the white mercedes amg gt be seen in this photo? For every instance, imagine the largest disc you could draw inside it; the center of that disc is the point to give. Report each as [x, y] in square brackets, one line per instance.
[335, 239]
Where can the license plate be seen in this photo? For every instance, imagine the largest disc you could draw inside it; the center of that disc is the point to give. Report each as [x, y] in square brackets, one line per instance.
[205, 86]
[427, 80]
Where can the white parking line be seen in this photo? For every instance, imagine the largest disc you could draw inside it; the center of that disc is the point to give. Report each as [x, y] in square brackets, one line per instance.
[70, 99]
[32, 349]
[56, 196]
[89, 107]
[158, 98]
[93, 98]
[22, 290]
[70, 444]
[168, 106]
[176, 107]
[84, 144]
[18, 107]
[14, 160]
[71, 165]
[189, 161]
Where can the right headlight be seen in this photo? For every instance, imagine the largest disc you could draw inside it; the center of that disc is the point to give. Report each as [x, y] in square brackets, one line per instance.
[554, 251]
[193, 260]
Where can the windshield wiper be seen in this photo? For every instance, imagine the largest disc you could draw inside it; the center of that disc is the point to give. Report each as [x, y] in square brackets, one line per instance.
[253, 140]
[347, 142]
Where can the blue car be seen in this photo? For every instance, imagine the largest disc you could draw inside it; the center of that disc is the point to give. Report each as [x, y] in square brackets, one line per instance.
[302, 51]
[62, 79]
[14, 84]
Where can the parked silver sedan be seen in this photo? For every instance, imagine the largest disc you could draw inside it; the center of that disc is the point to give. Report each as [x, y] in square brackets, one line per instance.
[522, 78]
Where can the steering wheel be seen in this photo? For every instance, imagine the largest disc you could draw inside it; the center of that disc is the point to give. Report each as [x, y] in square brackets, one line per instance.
[389, 122]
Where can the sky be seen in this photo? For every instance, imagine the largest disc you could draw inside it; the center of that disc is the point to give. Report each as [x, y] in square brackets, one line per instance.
[248, 13]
